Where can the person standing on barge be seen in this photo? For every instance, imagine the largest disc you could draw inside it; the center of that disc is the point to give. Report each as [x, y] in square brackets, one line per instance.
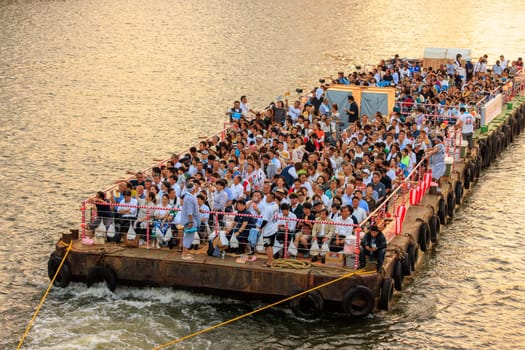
[466, 123]
[437, 158]
[269, 226]
[190, 219]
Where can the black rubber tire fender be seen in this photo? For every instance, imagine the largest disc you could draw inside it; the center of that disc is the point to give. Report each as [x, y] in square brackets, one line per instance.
[64, 275]
[102, 274]
[387, 292]
[472, 167]
[485, 154]
[514, 125]
[502, 140]
[451, 204]
[423, 238]
[397, 275]
[478, 167]
[309, 306]
[434, 228]
[358, 301]
[494, 150]
[413, 255]
[466, 176]
[459, 192]
[442, 211]
[507, 131]
[405, 265]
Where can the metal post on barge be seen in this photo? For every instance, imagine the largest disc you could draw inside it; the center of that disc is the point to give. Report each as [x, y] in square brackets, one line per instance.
[83, 222]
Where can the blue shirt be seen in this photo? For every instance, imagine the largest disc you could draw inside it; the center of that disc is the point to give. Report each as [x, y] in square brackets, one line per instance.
[190, 207]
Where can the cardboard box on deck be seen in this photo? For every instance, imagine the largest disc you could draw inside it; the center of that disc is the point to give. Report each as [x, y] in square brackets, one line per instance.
[335, 259]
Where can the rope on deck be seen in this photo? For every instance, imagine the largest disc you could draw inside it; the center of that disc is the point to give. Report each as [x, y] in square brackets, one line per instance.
[206, 330]
[291, 264]
[35, 314]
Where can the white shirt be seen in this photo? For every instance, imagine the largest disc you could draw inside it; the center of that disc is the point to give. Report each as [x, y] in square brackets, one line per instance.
[133, 211]
[237, 191]
[359, 213]
[345, 231]
[467, 123]
[291, 224]
[294, 112]
[269, 214]
[245, 108]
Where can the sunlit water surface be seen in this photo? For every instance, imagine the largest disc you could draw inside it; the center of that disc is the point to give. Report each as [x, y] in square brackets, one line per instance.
[90, 89]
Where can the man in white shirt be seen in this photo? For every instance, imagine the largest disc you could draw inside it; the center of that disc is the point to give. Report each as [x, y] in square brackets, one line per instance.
[126, 215]
[504, 62]
[295, 110]
[245, 107]
[344, 234]
[359, 213]
[269, 226]
[236, 188]
[466, 123]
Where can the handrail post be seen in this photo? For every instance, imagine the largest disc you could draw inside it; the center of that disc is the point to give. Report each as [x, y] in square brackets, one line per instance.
[357, 230]
[83, 222]
[147, 229]
[286, 239]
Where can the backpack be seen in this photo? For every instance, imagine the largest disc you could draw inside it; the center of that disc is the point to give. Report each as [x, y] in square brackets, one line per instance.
[287, 177]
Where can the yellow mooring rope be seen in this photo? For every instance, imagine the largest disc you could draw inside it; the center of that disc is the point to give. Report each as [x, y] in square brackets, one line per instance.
[43, 298]
[179, 340]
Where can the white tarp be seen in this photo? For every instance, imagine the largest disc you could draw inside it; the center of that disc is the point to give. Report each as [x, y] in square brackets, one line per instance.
[492, 109]
[446, 53]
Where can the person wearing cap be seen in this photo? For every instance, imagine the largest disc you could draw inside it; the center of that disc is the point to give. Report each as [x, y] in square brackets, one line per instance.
[317, 206]
[437, 158]
[281, 195]
[373, 244]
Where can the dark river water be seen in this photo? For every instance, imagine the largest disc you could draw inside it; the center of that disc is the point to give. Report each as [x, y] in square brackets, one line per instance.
[90, 89]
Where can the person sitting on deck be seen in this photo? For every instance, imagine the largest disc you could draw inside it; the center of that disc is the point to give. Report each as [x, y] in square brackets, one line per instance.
[373, 245]
[286, 213]
[304, 230]
[104, 212]
[240, 227]
[344, 234]
[322, 232]
[126, 215]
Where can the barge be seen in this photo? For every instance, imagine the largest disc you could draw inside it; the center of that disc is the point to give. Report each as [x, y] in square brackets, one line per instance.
[410, 232]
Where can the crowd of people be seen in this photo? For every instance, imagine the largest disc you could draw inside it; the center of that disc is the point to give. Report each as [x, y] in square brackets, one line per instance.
[278, 170]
